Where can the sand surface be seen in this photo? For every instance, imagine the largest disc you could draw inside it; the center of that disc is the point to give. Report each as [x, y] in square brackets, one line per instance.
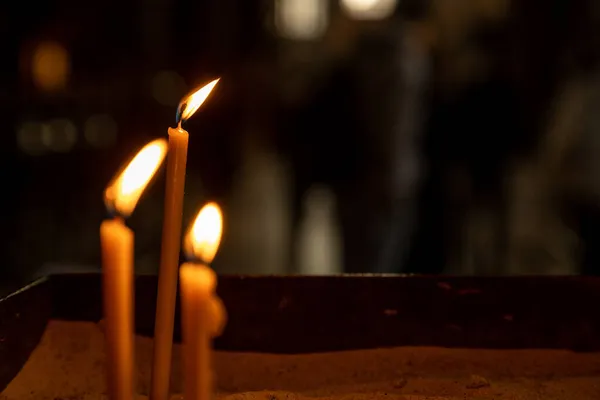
[69, 364]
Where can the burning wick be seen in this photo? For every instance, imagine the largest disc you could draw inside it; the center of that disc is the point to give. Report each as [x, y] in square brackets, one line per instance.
[117, 242]
[123, 193]
[203, 239]
[203, 315]
[190, 104]
[171, 242]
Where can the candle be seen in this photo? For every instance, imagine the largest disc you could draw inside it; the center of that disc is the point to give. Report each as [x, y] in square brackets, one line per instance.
[116, 240]
[171, 239]
[202, 313]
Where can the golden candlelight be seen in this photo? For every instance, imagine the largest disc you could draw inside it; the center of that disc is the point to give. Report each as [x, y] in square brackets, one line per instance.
[192, 103]
[171, 242]
[117, 242]
[203, 239]
[123, 193]
[203, 315]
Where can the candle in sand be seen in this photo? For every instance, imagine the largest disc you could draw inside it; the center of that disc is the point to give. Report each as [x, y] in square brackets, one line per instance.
[117, 240]
[202, 314]
[171, 240]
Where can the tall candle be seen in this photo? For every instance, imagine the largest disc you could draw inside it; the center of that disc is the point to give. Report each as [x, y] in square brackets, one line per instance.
[202, 313]
[117, 242]
[171, 239]
[117, 266]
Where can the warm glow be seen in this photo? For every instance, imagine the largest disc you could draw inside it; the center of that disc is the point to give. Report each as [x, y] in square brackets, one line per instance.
[202, 241]
[50, 66]
[205, 280]
[301, 19]
[192, 103]
[369, 9]
[125, 190]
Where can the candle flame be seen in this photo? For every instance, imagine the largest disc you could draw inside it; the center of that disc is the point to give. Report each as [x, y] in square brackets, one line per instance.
[123, 193]
[190, 104]
[202, 240]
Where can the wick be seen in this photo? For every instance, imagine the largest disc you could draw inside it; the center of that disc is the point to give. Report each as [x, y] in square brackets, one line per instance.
[112, 213]
[194, 259]
[179, 115]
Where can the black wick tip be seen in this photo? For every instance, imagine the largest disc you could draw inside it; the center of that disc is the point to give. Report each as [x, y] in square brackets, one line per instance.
[178, 115]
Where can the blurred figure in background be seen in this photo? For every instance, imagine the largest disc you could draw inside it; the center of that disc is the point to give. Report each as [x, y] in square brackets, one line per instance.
[357, 131]
[512, 83]
[470, 129]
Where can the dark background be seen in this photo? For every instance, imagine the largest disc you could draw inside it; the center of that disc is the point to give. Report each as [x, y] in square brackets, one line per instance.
[443, 136]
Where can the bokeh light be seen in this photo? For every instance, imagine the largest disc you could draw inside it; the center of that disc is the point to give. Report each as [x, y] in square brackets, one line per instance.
[30, 138]
[301, 19]
[50, 66]
[369, 9]
[60, 135]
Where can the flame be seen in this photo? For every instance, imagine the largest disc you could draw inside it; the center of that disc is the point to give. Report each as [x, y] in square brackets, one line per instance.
[189, 105]
[202, 240]
[123, 193]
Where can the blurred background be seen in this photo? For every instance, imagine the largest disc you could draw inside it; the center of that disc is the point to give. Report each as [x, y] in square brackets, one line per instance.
[382, 136]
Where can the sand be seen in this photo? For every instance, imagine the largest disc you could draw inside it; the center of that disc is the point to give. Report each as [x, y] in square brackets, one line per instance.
[69, 364]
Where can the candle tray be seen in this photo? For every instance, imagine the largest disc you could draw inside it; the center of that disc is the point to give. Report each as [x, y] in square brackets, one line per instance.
[298, 315]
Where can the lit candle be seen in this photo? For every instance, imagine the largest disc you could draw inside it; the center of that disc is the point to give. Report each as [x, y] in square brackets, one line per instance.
[203, 316]
[171, 241]
[116, 240]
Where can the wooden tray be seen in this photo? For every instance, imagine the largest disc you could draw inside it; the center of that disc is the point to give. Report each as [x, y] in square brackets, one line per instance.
[296, 314]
